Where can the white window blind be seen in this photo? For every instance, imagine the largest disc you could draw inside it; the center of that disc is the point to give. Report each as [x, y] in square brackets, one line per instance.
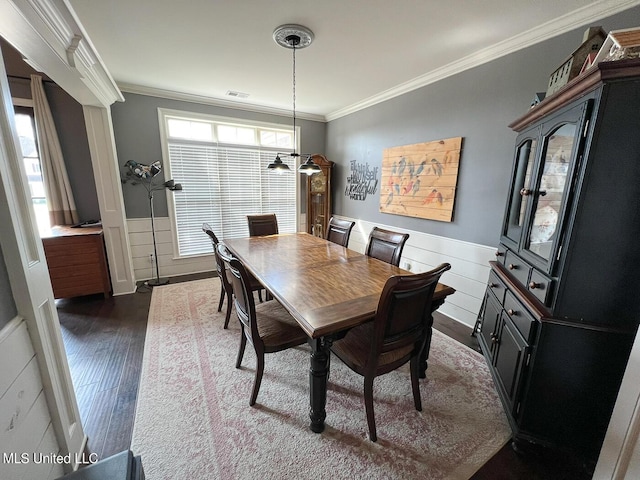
[221, 186]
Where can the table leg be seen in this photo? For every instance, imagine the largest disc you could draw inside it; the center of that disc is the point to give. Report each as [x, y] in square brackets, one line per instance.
[318, 375]
[424, 354]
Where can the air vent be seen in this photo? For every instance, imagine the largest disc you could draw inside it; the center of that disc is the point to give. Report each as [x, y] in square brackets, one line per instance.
[231, 93]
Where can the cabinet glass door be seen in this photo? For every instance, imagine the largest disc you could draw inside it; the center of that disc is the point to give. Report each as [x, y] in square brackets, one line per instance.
[548, 198]
[525, 159]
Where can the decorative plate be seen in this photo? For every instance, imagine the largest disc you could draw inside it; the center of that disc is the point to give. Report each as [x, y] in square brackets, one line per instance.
[544, 225]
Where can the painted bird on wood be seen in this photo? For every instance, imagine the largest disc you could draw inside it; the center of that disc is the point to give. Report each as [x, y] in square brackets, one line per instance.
[421, 167]
[434, 196]
[436, 167]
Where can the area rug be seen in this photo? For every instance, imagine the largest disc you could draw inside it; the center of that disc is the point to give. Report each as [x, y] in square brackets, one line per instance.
[193, 418]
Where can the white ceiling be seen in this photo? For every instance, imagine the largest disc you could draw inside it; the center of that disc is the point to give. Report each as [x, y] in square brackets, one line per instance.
[364, 50]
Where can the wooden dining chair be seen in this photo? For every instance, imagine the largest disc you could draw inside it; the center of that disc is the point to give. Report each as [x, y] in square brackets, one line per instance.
[396, 335]
[339, 231]
[261, 225]
[226, 287]
[267, 326]
[386, 245]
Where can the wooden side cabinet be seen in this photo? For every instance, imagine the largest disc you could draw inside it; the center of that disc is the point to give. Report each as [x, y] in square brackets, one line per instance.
[77, 261]
[319, 197]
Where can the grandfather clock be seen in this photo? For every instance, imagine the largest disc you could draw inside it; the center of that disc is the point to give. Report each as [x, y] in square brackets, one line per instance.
[319, 197]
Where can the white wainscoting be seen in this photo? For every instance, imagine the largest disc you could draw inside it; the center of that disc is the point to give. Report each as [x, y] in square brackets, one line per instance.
[141, 242]
[25, 423]
[468, 275]
[469, 265]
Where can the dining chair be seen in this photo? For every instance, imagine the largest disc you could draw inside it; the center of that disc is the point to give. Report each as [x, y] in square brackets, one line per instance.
[261, 225]
[226, 287]
[396, 335]
[339, 231]
[386, 245]
[267, 326]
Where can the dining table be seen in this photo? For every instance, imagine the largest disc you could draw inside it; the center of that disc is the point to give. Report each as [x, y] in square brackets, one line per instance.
[328, 289]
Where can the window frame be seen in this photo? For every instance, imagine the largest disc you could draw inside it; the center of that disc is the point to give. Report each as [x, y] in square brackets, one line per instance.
[165, 113]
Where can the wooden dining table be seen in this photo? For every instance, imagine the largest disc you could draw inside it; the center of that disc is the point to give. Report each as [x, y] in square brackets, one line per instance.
[327, 288]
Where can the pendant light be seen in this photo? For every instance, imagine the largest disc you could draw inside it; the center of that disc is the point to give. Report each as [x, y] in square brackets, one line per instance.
[293, 37]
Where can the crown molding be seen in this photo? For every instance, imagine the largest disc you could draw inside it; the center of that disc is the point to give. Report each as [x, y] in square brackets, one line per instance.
[51, 39]
[553, 28]
[214, 101]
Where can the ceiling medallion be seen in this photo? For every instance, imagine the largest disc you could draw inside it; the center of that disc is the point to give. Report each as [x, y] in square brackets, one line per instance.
[284, 34]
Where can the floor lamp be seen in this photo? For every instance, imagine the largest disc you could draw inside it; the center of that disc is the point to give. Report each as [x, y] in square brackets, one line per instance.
[145, 175]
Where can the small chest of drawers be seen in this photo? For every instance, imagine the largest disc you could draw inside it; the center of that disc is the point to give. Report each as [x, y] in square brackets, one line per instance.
[77, 261]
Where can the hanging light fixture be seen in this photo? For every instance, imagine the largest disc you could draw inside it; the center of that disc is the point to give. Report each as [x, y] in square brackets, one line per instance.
[294, 37]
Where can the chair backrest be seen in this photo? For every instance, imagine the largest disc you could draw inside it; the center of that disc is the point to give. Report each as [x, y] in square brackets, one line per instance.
[242, 294]
[386, 245]
[206, 228]
[339, 231]
[261, 225]
[402, 317]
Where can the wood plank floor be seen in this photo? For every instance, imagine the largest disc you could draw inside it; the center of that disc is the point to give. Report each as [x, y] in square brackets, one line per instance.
[104, 339]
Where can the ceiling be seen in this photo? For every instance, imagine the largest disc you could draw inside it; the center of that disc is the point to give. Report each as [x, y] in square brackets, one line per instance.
[364, 51]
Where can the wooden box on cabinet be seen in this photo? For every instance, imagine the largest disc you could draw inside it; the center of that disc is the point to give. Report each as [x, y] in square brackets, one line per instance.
[319, 197]
[560, 311]
[77, 261]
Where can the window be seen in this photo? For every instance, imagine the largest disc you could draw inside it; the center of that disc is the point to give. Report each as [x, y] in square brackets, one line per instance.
[222, 166]
[25, 125]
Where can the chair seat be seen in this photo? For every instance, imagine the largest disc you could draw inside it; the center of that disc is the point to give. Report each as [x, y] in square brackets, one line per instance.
[354, 349]
[277, 328]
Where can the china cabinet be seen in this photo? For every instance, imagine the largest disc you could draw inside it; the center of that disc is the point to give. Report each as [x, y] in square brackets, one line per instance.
[319, 197]
[562, 303]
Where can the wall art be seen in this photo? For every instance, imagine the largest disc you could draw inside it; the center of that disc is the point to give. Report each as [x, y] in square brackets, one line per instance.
[362, 181]
[420, 180]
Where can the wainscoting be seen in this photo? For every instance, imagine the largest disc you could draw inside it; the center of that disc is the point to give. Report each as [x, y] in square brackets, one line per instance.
[468, 275]
[469, 265]
[25, 423]
[141, 242]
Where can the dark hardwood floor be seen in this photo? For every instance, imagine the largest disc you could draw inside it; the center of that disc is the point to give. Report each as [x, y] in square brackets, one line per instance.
[104, 339]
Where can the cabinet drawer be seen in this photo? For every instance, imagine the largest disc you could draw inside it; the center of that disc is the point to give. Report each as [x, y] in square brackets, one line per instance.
[500, 254]
[496, 286]
[520, 317]
[517, 267]
[540, 286]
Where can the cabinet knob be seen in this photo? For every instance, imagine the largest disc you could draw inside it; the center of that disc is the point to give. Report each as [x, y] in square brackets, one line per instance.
[492, 285]
[512, 266]
[512, 312]
[534, 285]
[499, 254]
[525, 192]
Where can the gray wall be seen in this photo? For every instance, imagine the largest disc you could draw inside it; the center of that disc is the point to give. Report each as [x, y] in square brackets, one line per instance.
[477, 104]
[137, 135]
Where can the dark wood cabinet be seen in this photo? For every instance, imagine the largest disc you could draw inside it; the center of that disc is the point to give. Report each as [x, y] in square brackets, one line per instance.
[77, 261]
[561, 308]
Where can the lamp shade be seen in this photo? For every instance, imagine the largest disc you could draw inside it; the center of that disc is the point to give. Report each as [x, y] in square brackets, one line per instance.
[278, 165]
[309, 167]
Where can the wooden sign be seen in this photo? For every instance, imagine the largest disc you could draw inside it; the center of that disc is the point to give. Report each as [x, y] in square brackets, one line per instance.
[420, 180]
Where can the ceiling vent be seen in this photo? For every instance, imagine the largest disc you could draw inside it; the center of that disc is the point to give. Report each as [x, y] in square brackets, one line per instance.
[231, 93]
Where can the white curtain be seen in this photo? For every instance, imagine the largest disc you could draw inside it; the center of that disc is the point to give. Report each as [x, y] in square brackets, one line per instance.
[62, 207]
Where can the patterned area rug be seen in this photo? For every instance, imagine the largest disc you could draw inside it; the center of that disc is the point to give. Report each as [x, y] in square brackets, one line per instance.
[193, 417]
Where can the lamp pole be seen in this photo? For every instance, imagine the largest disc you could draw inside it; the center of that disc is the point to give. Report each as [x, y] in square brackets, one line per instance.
[154, 282]
[146, 174]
